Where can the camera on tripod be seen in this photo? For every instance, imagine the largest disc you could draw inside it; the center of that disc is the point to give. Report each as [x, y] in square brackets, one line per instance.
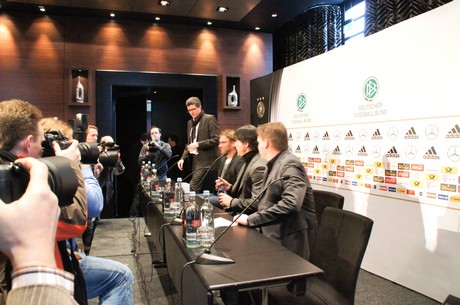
[61, 178]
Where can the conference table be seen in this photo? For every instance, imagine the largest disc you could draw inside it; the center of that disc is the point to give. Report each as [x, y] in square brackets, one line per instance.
[260, 263]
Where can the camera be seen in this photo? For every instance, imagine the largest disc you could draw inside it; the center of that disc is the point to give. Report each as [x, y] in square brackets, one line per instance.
[61, 178]
[151, 147]
[53, 136]
[109, 154]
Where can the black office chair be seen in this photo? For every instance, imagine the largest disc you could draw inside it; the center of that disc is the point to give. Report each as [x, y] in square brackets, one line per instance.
[339, 249]
[451, 300]
[324, 199]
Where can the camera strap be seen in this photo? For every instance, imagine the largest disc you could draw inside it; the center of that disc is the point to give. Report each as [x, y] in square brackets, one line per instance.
[7, 156]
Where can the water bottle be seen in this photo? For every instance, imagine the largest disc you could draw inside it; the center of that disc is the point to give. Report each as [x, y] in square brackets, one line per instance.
[178, 198]
[168, 200]
[154, 184]
[192, 218]
[206, 230]
[148, 176]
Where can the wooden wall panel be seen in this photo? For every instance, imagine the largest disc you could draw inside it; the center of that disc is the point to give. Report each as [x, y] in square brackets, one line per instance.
[38, 52]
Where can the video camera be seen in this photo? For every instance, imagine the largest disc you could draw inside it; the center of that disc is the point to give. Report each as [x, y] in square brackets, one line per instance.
[61, 178]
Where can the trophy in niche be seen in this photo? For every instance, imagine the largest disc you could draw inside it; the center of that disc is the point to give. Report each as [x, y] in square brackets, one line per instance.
[80, 92]
[232, 98]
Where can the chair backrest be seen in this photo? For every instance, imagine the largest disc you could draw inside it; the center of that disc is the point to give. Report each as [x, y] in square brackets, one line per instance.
[339, 249]
[325, 199]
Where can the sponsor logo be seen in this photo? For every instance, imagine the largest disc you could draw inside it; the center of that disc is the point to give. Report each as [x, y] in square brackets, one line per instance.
[449, 170]
[454, 153]
[370, 88]
[448, 187]
[393, 133]
[349, 135]
[336, 151]
[332, 161]
[454, 133]
[349, 162]
[298, 150]
[307, 137]
[416, 183]
[326, 136]
[455, 198]
[431, 154]
[390, 173]
[260, 109]
[403, 166]
[340, 167]
[417, 167]
[376, 151]
[341, 174]
[337, 135]
[443, 197]
[431, 132]
[301, 102]
[358, 176]
[376, 135]
[325, 166]
[290, 137]
[354, 183]
[297, 136]
[378, 164]
[401, 191]
[390, 180]
[392, 153]
[307, 149]
[317, 160]
[411, 152]
[392, 189]
[362, 152]
[316, 150]
[349, 168]
[410, 192]
[411, 134]
[369, 170]
[332, 173]
[432, 177]
[363, 134]
[383, 188]
[311, 159]
[325, 150]
[402, 174]
[349, 150]
[315, 135]
[359, 163]
[431, 195]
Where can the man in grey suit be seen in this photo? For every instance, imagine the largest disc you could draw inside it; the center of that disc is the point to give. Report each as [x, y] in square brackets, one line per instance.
[286, 212]
[249, 180]
[28, 231]
[203, 139]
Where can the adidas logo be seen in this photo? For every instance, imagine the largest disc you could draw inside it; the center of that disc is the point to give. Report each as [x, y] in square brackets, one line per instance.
[411, 134]
[298, 150]
[349, 136]
[392, 153]
[362, 152]
[316, 150]
[290, 138]
[454, 133]
[377, 135]
[336, 151]
[326, 136]
[431, 154]
[307, 137]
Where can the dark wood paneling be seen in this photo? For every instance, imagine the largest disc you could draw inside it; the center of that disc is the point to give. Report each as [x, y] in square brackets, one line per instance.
[37, 53]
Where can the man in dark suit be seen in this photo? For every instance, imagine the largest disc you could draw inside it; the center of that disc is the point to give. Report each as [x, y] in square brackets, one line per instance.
[203, 138]
[249, 180]
[286, 212]
[228, 167]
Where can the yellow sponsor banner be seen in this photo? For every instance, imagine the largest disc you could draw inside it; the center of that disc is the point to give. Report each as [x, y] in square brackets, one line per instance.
[416, 183]
[401, 190]
[379, 164]
[332, 161]
[369, 170]
[358, 176]
[455, 199]
[432, 177]
[451, 170]
[325, 166]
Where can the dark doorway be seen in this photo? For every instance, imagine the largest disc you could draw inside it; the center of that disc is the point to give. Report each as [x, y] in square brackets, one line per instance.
[121, 112]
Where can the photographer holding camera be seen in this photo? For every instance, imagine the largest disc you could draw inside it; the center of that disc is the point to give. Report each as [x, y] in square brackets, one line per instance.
[21, 136]
[157, 152]
[28, 227]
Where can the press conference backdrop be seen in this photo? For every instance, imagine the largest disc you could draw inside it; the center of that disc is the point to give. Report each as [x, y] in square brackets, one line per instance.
[379, 122]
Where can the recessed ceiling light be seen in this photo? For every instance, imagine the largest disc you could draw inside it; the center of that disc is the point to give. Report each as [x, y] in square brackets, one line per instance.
[209, 22]
[112, 15]
[157, 18]
[164, 2]
[222, 9]
[274, 15]
[257, 28]
[41, 8]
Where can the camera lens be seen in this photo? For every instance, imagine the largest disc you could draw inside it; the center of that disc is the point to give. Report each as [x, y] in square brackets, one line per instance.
[108, 158]
[89, 152]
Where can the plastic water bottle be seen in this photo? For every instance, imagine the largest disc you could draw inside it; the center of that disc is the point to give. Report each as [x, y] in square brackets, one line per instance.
[168, 200]
[206, 230]
[154, 184]
[178, 198]
[192, 216]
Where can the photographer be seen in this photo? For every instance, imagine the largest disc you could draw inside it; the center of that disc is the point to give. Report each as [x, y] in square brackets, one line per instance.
[106, 176]
[28, 227]
[21, 136]
[157, 152]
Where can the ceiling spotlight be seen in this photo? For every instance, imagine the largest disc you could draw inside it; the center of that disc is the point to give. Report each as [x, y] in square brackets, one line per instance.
[164, 2]
[112, 15]
[222, 9]
[41, 8]
[209, 22]
[157, 18]
[257, 28]
[274, 15]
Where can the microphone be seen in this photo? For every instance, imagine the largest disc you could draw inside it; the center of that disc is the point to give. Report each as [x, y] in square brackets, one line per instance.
[206, 258]
[166, 162]
[212, 164]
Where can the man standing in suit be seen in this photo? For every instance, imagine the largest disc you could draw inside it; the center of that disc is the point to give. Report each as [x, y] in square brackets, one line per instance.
[286, 212]
[203, 139]
[249, 180]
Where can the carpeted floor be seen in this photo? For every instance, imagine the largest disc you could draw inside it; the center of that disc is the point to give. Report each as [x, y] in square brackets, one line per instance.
[123, 240]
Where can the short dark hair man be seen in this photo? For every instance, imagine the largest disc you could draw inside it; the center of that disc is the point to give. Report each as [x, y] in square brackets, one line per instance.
[157, 152]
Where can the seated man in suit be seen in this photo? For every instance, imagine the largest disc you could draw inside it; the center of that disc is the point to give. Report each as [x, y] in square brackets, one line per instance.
[286, 212]
[249, 181]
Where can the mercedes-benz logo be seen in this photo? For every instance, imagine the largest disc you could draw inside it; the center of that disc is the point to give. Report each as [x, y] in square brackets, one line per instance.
[315, 135]
[307, 149]
[337, 135]
[411, 152]
[298, 136]
[376, 151]
[454, 153]
[363, 134]
[325, 150]
[431, 132]
[393, 133]
[349, 150]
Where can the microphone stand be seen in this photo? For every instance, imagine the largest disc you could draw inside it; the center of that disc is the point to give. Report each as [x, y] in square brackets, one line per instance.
[206, 258]
[212, 164]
